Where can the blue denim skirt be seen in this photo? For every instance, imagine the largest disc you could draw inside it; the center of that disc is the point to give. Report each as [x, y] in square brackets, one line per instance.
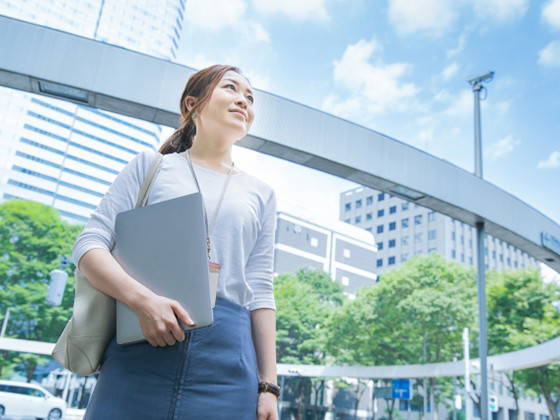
[211, 375]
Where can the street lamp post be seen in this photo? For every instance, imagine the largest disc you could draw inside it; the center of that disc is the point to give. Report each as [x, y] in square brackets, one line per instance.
[476, 84]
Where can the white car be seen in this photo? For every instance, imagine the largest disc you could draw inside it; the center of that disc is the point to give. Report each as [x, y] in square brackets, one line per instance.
[23, 400]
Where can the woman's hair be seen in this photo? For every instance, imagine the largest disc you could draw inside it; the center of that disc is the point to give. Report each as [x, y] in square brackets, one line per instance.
[200, 85]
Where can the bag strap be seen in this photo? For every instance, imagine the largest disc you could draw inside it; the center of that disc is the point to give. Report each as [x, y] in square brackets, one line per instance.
[148, 182]
[146, 185]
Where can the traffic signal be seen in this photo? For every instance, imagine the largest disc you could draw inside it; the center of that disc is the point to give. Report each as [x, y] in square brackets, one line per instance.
[493, 400]
[55, 292]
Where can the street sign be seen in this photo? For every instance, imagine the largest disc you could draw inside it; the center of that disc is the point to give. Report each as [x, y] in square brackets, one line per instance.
[493, 401]
[402, 389]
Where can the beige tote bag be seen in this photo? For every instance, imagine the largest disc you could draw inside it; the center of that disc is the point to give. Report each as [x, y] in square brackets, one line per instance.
[92, 326]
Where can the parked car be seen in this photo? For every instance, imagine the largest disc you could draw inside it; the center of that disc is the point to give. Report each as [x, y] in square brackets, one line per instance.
[23, 400]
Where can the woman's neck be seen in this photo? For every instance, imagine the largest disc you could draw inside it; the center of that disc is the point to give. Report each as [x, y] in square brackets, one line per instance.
[212, 156]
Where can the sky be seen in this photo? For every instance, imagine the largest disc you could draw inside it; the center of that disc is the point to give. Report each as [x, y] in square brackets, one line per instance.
[399, 67]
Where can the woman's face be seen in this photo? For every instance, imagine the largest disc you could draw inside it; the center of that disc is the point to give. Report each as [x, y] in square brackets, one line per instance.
[229, 111]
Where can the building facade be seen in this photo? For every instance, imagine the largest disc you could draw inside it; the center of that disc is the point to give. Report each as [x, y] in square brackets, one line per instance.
[63, 154]
[404, 229]
[305, 240]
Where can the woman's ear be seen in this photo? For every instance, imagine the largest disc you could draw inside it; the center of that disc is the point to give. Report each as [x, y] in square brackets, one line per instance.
[190, 102]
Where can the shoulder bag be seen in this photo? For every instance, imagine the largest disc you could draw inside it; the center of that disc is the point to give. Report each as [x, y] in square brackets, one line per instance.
[93, 324]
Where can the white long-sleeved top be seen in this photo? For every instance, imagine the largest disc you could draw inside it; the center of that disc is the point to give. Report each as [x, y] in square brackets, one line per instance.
[243, 235]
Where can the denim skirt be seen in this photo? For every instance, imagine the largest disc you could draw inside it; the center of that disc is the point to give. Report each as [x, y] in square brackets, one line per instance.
[211, 375]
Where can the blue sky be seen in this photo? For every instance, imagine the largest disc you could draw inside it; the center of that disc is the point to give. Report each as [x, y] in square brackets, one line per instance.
[400, 67]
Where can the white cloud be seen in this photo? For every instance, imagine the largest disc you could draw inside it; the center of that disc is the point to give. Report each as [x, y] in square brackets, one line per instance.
[218, 15]
[550, 55]
[551, 14]
[450, 71]
[459, 105]
[460, 45]
[501, 147]
[294, 9]
[501, 10]
[434, 16]
[373, 87]
[552, 162]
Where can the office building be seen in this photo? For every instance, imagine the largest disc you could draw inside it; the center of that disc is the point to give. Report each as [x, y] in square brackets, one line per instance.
[64, 154]
[404, 229]
[306, 240]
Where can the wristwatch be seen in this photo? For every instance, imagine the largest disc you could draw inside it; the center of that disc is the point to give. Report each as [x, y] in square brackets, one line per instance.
[270, 387]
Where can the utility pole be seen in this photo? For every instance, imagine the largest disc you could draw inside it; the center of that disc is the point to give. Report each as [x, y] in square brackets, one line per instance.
[476, 84]
[466, 355]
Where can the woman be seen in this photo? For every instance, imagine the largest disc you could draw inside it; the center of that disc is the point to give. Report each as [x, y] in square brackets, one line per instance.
[208, 373]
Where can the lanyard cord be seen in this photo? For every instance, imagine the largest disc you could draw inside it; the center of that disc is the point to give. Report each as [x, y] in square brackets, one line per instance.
[209, 230]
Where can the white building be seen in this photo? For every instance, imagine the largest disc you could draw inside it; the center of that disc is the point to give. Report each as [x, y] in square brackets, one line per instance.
[403, 229]
[67, 155]
[306, 240]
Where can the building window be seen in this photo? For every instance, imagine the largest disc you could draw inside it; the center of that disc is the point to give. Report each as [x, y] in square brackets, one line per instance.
[404, 240]
[380, 213]
[470, 261]
[358, 219]
[380, 229]
[392, 243]
[462, 257]
[462, 240]
[432, 250]
[392, 209]
[391, 261]
[358, 204]
[345, 281]
[381, 197]
[347, 221]
[369, 230]
[346, 253]
[369, 216]
[507, 246]
[486, 251]
[501, 389]
[494, 254]
[348, 207]
[509, 261]
[452, 253]
[405, 206]
[431, 234]
[515, 264]
[404, 257]
[369, 200]
[314, 242]
[417, 238]
[392, 225]
[380, 262]
[470, 243]
[431, 216]
[418, 219]
[529, 416]
[452, 236]
[379, 246]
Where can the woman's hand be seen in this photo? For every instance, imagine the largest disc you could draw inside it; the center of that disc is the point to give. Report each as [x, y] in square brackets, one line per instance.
[158, 320]
[267, 406]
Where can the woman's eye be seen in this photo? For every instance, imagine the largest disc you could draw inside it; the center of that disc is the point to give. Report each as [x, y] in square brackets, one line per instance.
[251, 99]
[231, 86]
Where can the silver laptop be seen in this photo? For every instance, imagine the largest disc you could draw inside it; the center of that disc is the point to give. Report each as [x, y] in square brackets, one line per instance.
[163, 246]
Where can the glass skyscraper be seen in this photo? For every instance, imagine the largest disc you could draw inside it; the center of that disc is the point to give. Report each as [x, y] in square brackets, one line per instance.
[67, 155]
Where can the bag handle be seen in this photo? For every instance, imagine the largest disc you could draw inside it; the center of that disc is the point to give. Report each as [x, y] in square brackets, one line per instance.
[148, 182]
[144, 192]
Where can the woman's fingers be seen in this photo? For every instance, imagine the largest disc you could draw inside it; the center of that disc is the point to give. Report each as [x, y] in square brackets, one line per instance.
[181, 313]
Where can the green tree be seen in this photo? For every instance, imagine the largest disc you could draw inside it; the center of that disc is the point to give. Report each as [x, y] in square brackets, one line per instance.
[304, 302]
[520, 315]
[32, 239]
[386, 323]
[30, 362]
